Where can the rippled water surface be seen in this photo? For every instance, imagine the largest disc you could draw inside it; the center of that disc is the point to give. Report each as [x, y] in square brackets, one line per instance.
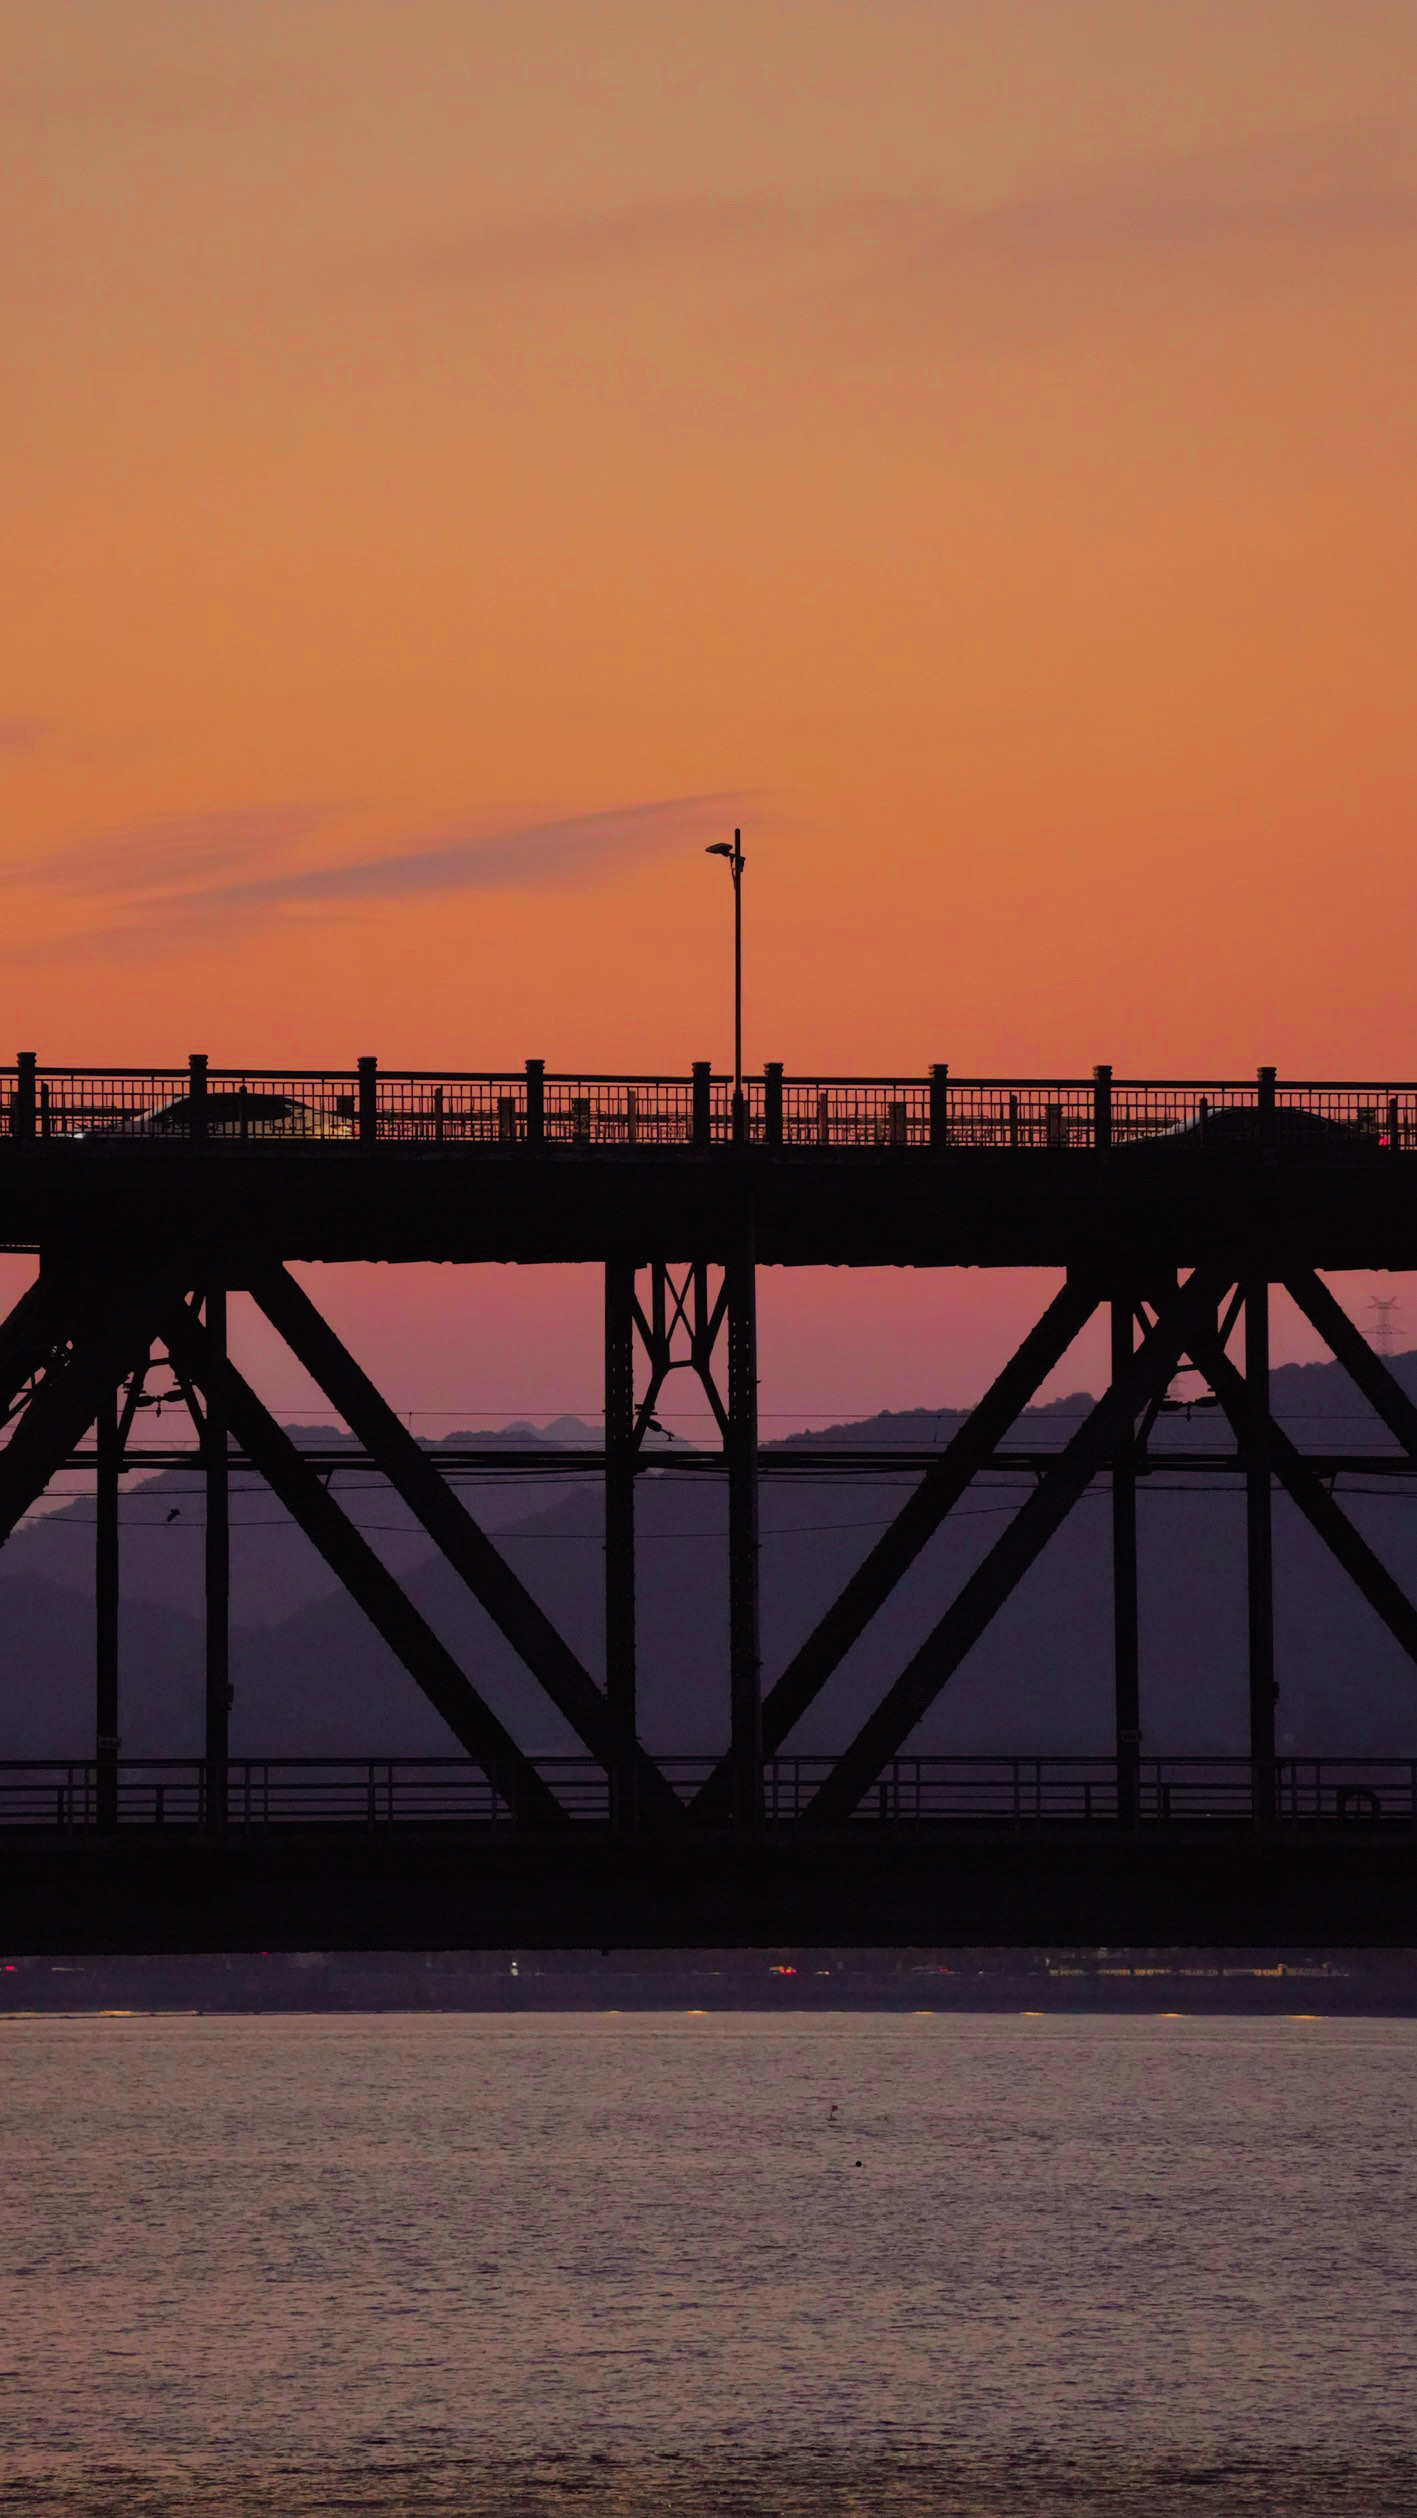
[730, 2263]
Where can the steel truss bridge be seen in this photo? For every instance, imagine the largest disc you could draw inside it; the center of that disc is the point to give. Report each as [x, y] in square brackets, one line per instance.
[1172, 1207]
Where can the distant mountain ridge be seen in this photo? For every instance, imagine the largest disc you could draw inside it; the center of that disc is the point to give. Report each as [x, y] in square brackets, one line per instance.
[311, 1676]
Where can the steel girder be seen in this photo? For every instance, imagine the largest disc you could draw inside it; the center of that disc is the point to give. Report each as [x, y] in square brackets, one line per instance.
[1366, 1370]
[1326, 1518]
[461, 1541]
[1004, 1567]
[890, 1559]
[96, 1337]
[348, 1553]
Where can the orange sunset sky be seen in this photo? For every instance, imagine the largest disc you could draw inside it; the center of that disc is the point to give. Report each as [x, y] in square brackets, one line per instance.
[457, 459]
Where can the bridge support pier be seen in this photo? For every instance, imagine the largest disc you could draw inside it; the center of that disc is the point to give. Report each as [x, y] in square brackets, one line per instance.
[218, 1571]
[1126, 1643]
[1259, 1544]
[106, 1609]
[744, 1639]
[621, 1450]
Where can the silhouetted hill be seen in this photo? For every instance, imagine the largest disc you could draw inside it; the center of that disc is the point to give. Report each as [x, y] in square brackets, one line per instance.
[1316, 1401]
[274, 1568]
[311, 1675]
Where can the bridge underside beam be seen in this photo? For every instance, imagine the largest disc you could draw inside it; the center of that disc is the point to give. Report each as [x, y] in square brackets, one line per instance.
[461, 1541]
[347, 1552]
[893, 1554]
[992, 1581]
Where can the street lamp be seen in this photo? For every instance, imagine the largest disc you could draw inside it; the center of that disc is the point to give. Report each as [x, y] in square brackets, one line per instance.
[736, 862]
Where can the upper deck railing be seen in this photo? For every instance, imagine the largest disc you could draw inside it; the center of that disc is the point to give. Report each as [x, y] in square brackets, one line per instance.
[526, 1106]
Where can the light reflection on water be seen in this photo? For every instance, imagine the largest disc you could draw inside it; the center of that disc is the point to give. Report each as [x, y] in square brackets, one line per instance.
[518, 2264]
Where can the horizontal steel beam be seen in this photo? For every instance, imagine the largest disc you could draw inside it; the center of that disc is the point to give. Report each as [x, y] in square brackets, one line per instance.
[202, 1211]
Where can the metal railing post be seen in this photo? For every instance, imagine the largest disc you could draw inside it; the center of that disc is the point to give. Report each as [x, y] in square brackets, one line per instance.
[702, 1104]
[1268, 1133]
[772, 1102]
[22, 1121]
[197, 1098]
[536, 1101]
[939, 1106]
[368, 1100]
[1102, 1110]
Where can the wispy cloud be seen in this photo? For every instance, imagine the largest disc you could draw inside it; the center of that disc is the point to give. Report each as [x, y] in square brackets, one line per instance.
[565, 854]
[182, 873]
[1298, 190]
[21, 734]
[174, 852]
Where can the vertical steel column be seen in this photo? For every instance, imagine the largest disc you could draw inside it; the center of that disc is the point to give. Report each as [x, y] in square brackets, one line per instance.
[1126, 1649]
[218, 1570]
[106, 1610]
[1259, 1536]
[620, 1525]
[744, 1641]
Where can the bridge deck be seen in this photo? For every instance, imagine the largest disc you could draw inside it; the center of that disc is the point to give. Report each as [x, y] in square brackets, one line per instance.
[849, 1172]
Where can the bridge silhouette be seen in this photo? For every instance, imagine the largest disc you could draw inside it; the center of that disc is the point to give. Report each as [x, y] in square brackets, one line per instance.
[1171, 1207]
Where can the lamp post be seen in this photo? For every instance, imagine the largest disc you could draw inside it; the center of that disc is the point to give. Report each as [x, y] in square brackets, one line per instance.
[736, 862]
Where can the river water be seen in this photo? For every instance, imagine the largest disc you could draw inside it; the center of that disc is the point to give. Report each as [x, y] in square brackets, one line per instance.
[688, 2264]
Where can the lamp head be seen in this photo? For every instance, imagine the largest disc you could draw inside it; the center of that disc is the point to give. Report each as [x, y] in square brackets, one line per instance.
[720, 848]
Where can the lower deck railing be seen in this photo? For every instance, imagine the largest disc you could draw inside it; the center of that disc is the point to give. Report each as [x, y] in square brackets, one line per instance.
[261, 1792]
